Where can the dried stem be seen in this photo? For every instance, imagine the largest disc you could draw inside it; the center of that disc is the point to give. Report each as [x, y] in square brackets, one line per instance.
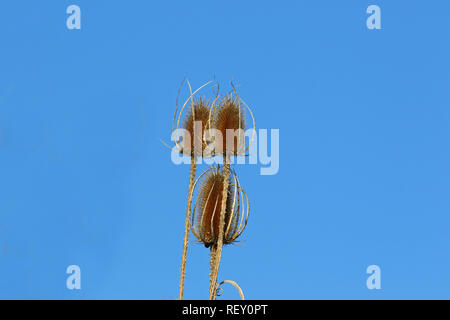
[187, 226]
[234, 284]
[218, 253]
[213, 252]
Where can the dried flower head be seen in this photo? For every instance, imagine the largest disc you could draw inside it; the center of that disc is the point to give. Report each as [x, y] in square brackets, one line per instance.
[206, 213]
[230, 122]
[198, 110]
[196, 123]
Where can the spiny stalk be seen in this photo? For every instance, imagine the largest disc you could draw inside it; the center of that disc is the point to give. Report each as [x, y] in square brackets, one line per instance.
[218, 249]
[187, 227]
[199, 112]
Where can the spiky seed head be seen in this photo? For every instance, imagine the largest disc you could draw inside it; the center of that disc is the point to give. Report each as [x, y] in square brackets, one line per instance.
[200, 114]
[208, 207]
[230, 118]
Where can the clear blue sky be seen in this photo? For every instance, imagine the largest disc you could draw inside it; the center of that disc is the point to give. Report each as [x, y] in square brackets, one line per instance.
[364, 147]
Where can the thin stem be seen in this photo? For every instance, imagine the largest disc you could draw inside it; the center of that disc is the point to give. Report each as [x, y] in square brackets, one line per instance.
[213, 251]
[187, 226]
[226, 181]
[234, 284]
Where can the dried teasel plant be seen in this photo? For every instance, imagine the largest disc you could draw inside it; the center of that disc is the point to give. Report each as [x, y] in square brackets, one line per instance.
[223, 222]
[198, 112]
[230, 121]
[206, 216]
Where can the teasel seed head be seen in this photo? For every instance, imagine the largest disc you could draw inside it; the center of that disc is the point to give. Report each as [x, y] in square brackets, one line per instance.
[198, 110]
[206, 211]
[230, 120]
[196, 123]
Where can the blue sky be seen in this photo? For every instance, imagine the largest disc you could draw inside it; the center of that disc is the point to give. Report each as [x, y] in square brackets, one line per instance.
[364, 147]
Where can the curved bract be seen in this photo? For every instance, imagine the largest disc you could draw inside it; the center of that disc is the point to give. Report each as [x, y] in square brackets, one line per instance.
[234, 284]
